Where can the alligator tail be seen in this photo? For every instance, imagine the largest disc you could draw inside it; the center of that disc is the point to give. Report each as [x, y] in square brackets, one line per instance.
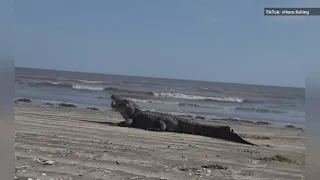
[236, 138]
[220, 132]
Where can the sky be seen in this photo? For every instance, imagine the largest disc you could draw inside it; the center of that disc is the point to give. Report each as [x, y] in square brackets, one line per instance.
[221, 40]
[6, 27]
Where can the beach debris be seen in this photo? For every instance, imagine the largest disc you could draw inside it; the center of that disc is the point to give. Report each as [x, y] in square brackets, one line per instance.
[21, 169]
[47, 104]
[290, 126]
[25, 100]
[93, 109]
[67, 105]
[136, 177]
[48, 162]
[200, 117]
[164, 178]
[215, 166]
[198, 172]
[279, 158]
[37, 160]
[188, 169]
[204, 169]
[262, 123]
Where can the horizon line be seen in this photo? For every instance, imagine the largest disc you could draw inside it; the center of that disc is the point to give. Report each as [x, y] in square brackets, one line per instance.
[197, 80]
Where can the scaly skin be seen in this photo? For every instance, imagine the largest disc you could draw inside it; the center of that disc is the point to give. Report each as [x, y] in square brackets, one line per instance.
[157, 121]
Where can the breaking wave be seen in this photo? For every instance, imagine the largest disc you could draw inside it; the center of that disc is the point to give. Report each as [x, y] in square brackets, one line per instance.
[83, 87]
[90, 82]
[259, 110]
[256, 110]
[64, 85]
[151, 101]
[196, 97]
[48, 84]
[97, 86]
[128, 91]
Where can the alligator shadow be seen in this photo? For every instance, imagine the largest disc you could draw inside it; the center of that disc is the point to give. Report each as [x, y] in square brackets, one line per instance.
[119, 124]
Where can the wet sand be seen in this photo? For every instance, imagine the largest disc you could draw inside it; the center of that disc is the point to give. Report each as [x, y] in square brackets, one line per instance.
[53, 143]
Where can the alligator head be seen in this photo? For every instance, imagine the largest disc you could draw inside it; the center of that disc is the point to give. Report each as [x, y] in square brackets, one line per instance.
[124, 106]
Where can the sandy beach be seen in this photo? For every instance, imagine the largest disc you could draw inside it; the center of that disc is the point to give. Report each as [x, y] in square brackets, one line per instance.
[53, 143]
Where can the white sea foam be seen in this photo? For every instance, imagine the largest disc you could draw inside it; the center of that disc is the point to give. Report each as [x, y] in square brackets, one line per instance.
[91, 82]
[196, 97]
[151, 101]
[67, 85]
[83, 87]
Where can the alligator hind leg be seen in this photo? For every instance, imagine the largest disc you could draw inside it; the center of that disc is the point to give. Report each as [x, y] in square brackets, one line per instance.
[162, 125]
[128, 122]
[158, 126]
[122, 124]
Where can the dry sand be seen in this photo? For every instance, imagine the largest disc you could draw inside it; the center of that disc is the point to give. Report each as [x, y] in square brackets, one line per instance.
[52, 143]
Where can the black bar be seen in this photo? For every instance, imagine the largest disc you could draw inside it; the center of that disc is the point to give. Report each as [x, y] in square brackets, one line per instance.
[291, 11]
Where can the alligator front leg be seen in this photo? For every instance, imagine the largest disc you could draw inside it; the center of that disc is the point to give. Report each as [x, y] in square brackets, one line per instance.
[126, 123]
[162, 125]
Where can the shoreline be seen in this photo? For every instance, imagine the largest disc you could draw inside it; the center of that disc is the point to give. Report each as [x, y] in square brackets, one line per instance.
[204, 118]
[53, 143]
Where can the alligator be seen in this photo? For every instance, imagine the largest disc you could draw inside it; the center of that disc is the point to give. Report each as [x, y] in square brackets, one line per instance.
[157, 121]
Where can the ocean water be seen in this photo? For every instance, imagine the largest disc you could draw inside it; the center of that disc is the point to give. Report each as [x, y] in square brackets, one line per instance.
[278, 105]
